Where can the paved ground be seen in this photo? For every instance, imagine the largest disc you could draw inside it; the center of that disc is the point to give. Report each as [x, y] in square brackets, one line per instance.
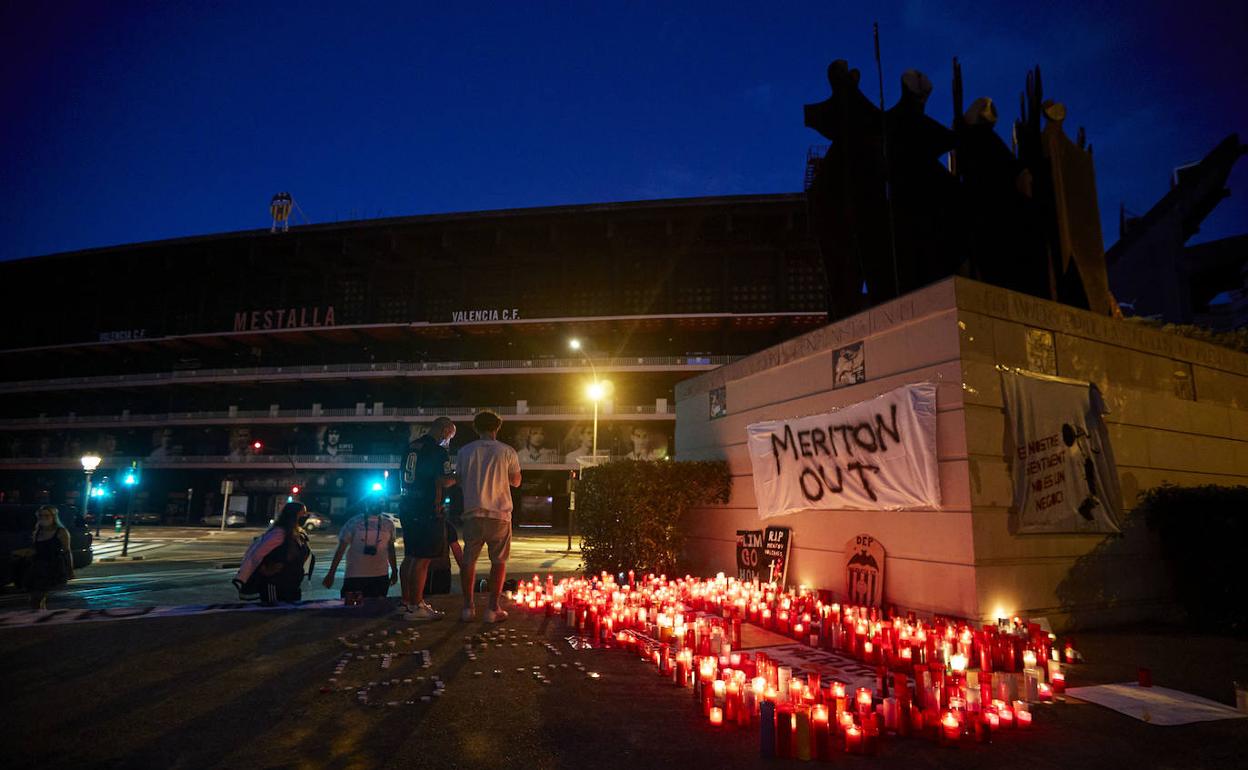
[243, 690]
[194, 565]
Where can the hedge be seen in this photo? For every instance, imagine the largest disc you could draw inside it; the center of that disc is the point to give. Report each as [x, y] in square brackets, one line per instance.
[630, 512]
[1203, 532]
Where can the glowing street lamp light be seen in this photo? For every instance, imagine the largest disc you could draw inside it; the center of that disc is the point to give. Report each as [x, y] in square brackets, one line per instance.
[596, 391]
[89, 463]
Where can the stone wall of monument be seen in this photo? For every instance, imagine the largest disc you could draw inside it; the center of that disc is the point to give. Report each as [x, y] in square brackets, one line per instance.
[930, 555]
[1178, 415]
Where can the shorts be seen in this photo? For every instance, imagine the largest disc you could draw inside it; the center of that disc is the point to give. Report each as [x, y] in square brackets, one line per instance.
[370, 587]
[494, 533]
[424, 537]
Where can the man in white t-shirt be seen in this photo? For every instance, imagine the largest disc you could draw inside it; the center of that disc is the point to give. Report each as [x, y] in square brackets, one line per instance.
[487, 470]
[368, 542]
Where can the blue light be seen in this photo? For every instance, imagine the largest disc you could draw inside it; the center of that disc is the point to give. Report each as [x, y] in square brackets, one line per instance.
[377, 487]
[130, 480]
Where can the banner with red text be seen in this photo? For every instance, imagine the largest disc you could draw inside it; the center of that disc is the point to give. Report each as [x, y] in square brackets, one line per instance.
[1065, 479]
[874, 455]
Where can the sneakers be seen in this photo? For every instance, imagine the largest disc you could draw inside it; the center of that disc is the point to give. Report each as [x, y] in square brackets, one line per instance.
[423, 612]
[467, 615]
[495, 616]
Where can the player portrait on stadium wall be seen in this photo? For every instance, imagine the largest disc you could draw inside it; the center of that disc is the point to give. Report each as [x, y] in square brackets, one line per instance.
[106, 444]
[640, 441]
[579, 442]
[329, 442]
[240, 442]
[533, 445]
[162, 444]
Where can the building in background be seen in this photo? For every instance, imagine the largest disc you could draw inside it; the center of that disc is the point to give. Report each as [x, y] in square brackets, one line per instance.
[331, 346]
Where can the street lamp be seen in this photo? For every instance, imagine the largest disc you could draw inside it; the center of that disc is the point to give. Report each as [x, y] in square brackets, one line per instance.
[596, 390]
[89, 463]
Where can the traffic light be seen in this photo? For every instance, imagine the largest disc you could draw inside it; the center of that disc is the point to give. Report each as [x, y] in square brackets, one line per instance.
[257, 445]
[131, 477]
[377, 487]
[294, 490]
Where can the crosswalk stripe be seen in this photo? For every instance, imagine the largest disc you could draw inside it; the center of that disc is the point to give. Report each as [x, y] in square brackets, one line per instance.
[108, 549]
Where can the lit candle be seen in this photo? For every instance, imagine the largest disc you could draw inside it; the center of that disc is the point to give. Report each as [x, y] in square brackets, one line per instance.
[1006, 715]
[853, 740]
[821, 731]
[717, 716]
[863, 700]
[1023, 718]
[1059, 683]
[1029, 658]
[950, 730]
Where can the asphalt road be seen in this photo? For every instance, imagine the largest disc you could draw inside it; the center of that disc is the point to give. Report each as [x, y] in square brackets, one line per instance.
[188, 565]
[249, 689]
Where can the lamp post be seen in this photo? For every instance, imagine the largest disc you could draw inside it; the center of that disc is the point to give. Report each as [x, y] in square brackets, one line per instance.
[89, 463]
[595, 391]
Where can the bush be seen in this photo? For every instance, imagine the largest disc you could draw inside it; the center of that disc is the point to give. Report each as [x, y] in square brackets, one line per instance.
[629, 511]
[1203, 531]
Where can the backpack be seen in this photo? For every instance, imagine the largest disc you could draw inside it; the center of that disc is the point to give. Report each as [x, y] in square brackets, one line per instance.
[282, 567]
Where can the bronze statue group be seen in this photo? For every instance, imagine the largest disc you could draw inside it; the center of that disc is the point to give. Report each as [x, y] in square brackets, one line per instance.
[890, 214]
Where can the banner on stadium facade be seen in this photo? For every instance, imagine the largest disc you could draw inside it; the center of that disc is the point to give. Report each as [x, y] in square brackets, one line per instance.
[874, 455]
[1065, 479]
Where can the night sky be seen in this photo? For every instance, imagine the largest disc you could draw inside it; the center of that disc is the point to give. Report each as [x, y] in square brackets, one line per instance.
[128, 122]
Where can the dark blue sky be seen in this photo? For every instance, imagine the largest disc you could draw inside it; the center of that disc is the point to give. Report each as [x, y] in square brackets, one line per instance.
[128, 122]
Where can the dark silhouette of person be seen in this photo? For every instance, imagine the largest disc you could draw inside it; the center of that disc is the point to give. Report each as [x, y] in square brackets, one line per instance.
[1076, 440]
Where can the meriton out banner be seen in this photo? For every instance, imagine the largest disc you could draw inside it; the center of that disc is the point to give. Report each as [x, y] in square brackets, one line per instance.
[875, 455]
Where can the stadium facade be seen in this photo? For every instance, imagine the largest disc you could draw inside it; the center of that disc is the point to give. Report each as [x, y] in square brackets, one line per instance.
[331, 345]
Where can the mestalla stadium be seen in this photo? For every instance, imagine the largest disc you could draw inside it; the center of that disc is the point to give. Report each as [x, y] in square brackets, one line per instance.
[308, 359]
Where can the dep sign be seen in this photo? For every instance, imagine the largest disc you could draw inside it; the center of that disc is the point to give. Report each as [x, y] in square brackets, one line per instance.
[874, 455]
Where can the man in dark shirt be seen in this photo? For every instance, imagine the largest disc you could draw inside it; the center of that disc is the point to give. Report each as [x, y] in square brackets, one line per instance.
[425, 476]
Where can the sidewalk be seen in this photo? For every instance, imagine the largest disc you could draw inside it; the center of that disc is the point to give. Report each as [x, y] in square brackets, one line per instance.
[244, 690]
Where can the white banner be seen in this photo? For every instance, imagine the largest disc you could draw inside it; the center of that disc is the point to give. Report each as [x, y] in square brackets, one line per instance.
[874, 455]
[1065, 479]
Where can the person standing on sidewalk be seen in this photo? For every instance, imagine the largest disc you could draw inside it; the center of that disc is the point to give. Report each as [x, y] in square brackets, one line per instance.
[51, 564]
[488, 469]
[425, 478]
[367, 540]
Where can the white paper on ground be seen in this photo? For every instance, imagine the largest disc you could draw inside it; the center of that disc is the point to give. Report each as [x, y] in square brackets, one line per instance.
[1155, 705]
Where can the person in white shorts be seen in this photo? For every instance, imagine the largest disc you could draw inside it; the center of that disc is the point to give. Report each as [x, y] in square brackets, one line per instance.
[487, 470]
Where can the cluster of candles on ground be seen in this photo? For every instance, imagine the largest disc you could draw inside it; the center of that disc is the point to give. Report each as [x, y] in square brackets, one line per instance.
[940, 678]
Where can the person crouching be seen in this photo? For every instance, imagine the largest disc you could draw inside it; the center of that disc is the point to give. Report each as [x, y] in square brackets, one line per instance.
[272, 568]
